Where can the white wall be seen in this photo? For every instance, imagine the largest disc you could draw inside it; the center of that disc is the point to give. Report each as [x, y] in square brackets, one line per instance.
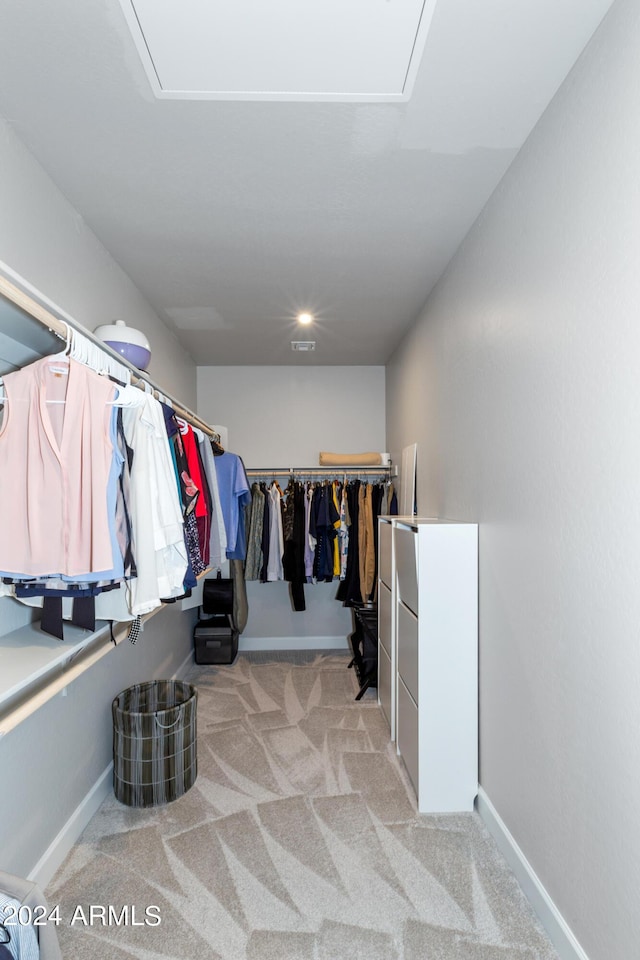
[45, 240]
[284, 417]
[520, 383]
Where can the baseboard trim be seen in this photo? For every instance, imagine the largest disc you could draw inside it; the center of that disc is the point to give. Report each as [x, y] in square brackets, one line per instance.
[292, 643]
[183, 670]
[550, 917]
[62, 844]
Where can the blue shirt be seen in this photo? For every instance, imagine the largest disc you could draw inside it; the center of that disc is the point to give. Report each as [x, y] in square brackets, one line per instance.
[233, 488]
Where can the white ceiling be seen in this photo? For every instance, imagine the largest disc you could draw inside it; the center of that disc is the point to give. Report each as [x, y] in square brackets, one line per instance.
[231, 216]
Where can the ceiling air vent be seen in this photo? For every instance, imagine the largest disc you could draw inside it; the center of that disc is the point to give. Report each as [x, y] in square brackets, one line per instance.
[303, 345]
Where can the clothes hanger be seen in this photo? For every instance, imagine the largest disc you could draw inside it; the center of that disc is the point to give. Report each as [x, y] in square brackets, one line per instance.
[59, 362]
[182, 424]
[90, 354]
[64, 354]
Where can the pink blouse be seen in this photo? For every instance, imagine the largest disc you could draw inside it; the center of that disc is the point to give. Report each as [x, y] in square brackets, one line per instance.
[54, 469]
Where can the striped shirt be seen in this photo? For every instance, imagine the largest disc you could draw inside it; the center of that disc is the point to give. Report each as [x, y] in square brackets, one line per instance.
[23, 944]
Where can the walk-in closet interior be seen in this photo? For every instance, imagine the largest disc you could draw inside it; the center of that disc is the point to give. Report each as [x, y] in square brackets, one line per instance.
[318, 616]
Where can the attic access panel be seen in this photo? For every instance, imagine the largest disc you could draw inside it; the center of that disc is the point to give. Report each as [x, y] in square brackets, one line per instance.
[351, 50]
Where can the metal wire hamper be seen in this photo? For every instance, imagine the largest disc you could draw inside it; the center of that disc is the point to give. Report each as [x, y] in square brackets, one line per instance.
[154, 742]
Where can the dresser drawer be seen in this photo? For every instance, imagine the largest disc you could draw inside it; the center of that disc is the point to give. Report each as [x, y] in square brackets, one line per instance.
[405, 548]
[407, 733]
[385, 617]
[385, 551]
[407, 649]
[385, 687]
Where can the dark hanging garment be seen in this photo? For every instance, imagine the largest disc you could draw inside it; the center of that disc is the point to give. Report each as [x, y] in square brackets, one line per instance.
[84, 613]
[83, 608]
[349, 589]
[323, 517]
[266, 532]
[169, 420]
[293, 560]
[51, 620]
[288, 510]
[321, 528]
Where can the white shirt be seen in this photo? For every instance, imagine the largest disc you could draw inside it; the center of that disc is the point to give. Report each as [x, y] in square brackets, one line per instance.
[156, 513]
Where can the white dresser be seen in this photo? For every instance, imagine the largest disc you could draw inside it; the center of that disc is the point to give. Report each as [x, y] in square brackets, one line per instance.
[428, 655]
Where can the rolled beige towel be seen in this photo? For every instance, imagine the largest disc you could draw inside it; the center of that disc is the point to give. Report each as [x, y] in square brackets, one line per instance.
[350, 459]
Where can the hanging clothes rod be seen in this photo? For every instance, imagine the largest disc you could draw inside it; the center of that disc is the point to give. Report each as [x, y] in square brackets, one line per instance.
[382, 470]
[61, 328]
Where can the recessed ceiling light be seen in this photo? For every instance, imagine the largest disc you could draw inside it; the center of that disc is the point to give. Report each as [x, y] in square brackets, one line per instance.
[305, 318]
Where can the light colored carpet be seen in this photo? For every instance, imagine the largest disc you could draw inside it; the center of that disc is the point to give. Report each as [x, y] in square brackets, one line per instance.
[299, 841]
